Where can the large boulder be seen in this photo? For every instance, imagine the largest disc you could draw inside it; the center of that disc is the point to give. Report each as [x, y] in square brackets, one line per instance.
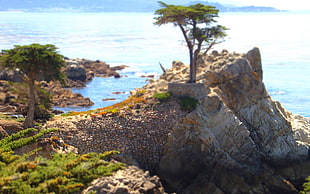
[131, 180]
[237, 140]
[10, 75]
[76, 73]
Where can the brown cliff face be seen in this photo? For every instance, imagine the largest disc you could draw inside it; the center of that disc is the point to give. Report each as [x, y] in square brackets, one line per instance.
[238, 139]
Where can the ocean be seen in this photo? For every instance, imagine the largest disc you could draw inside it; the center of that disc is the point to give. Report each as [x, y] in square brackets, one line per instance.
[132, 39]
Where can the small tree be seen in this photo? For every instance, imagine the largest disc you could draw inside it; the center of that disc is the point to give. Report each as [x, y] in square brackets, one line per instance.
[195, 22]
[35, 62]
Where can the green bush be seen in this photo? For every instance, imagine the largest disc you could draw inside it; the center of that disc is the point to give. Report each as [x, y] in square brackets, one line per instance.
[64, 173]
[188, 103]
[306, 186]
[162, 96]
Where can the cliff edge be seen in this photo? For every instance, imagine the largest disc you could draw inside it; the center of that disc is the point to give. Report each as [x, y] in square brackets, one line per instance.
[237, 140]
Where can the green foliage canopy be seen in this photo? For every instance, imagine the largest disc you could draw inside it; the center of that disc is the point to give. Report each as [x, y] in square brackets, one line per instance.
[196, 23]
[35, 62]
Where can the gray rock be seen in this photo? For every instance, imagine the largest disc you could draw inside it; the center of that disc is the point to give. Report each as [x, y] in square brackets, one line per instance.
[9, 75]
[131, 180]
[236, 135]
[76, 73]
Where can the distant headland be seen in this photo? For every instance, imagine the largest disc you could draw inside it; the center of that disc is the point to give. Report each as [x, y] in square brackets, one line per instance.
[111, 6]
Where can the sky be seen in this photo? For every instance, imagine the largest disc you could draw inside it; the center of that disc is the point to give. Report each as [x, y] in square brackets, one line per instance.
[280, 4]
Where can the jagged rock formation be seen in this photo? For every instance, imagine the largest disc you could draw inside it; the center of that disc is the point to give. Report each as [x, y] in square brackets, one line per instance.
[63, 97]
[131, 180]
[238, 140]
[80, 71]
[76, 73]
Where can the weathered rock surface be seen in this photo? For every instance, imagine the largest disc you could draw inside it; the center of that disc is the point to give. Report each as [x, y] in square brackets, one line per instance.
[238, 140]
[10, 126]
[9, 75]
[64, 97]
[80, 71]
[76, 73]
[140, 132]
[131, 180]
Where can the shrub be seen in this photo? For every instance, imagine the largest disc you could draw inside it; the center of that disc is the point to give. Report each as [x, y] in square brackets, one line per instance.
[188, 103]
[64, 173]
[306, 186]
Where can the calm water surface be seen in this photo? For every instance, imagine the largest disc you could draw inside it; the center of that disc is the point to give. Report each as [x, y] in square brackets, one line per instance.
[132, 39]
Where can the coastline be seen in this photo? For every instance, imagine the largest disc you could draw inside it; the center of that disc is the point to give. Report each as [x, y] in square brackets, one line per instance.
[285, 58]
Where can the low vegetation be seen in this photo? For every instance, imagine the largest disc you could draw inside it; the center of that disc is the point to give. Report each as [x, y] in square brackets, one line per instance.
[188, 103]
[306, 186]
[127, 104]
[64, 173]
[162, 96]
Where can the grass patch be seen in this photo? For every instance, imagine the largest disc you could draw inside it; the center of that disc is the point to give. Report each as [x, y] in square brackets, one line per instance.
[162, 96]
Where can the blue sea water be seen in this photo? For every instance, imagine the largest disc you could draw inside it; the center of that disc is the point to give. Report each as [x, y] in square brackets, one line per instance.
[133, 40]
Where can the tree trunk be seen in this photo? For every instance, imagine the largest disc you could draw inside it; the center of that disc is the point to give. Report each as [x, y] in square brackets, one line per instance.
[192, 67]
[31, 106]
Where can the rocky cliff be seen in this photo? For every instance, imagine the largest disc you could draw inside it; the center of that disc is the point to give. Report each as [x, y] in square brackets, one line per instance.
[238, 140]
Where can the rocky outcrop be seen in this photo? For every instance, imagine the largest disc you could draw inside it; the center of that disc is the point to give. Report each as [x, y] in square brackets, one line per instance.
[10, 126]
[10, 75]
[131, 180]
[76, 73]
[140, 131]
[238, 140]
[80, 71]
[64, 97]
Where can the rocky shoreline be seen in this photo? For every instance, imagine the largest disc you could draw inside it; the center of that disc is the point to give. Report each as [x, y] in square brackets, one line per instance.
[78, 71]
[236, 140]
